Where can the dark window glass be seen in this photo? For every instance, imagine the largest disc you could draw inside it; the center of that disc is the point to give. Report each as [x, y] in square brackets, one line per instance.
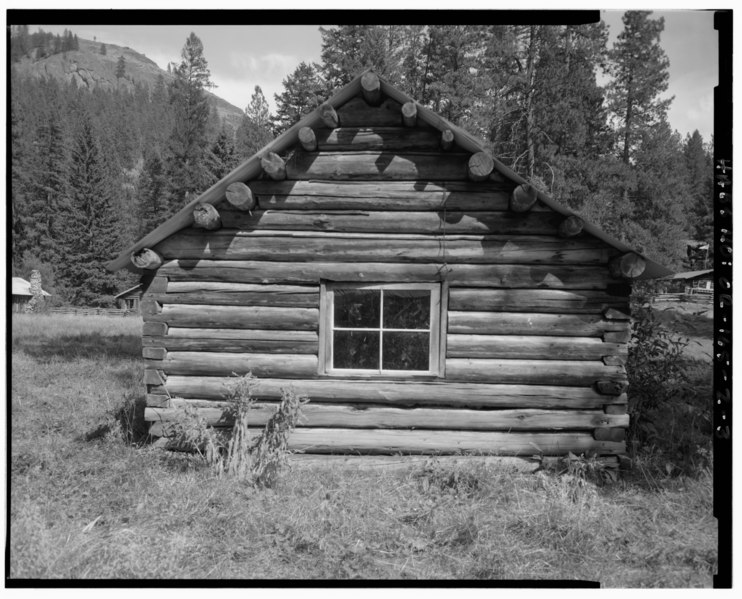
[357, 308]
[356, 349]
[406, 351]
[406, 309]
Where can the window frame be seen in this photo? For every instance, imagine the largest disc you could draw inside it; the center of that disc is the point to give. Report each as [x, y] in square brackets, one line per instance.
[436, 331]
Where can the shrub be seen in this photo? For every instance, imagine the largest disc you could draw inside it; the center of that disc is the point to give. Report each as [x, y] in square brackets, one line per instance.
[655, 367]
[258, 460]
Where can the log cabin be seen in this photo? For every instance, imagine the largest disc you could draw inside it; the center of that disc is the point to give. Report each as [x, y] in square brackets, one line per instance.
[424, 296]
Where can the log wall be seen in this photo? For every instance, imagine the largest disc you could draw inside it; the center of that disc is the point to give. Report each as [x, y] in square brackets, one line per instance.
[534, 332]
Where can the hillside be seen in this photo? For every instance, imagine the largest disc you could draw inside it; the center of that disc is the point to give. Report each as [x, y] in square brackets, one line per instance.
[89, 69]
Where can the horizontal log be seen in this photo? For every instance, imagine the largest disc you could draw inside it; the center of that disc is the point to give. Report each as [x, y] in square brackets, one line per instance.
[265, 188]
[478, 275]
[351, 139]
[233, 346]
[154, 377]
[527, 323]
[206, 216]
[533, 347]
[357, 113]
[308, 139]
[237, 317]
[382, 441]
[273, 166]
[623, 336]
[328, 115]
[609, 434]
[154, 328]
[409, 114]
[614, 409]
[240, 196]
[340, 416]
[154, 353]
[523, 198]
[146, 259]
[627, 266]
[371, 88]
[237, 294]
[447, 140]
[225, 364]
[365, 221]
[611, 387]
[536, 300]
[215, 340]
[405, 393]
[479, 166]
[480, 249]
[157, 285]
[571, 226]
[531, 372]
[376, 165]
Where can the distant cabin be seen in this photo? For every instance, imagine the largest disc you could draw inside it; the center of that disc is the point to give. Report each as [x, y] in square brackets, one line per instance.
[130, 299]
[21, 292]
[695, 282]
[425, 297]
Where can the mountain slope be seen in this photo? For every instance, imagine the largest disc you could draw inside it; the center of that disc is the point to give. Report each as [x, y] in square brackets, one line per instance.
[89, 68]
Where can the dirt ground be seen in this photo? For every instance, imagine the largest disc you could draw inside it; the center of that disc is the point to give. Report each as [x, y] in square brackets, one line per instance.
[694, 321]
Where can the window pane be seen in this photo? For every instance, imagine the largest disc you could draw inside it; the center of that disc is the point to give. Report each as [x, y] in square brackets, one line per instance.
[406, 309]
[406, 351]
[357, 308]
[356, 349]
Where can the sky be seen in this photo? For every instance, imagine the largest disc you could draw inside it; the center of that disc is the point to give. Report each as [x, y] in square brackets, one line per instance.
[243, 56]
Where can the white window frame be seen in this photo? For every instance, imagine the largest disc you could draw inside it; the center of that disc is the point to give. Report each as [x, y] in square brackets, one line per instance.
[435, 332]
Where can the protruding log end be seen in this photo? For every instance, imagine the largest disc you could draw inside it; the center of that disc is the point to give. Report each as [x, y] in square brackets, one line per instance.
[147, 259]
[240, 196]
[447, 140]
[274, 166]
[308, 139]
[627, 266]
[613, 314]
[611, 387]
[409, 114]
[206, 216]
[571, 226]
[328, 115]
[523, 198]
[609, 434]
[371, 88]
[480, 166]
[614, 361]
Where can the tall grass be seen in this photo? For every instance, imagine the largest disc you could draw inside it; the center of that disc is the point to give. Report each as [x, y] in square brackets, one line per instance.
[87, 502]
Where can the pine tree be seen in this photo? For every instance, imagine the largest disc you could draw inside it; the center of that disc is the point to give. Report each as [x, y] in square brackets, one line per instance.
[151, 190]
[640, 71]
[699, 168]
[304, 90]
[90, 233]
[186, 160]
[120, 67]
[254, 131]
[222, 155]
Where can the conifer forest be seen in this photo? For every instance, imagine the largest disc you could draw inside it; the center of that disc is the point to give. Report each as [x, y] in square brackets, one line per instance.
[94, 168]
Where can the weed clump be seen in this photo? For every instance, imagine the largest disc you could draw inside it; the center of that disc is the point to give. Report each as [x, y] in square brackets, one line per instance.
[257, 459]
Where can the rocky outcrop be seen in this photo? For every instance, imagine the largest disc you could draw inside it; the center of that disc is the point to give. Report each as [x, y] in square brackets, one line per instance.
[90, 69]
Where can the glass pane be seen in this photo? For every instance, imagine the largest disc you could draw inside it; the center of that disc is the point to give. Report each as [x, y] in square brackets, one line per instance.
[406, 351]
[357, 308]
[356, 349]
[406, 309]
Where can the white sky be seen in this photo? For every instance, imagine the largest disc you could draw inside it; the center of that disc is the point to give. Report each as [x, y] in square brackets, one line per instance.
[242, 56]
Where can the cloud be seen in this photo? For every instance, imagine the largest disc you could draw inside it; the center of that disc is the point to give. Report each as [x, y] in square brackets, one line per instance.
[264, 65]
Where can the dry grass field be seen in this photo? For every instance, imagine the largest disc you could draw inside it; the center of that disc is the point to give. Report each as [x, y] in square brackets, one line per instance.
[90, 499]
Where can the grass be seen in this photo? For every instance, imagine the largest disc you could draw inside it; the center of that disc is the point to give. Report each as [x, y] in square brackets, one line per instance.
[87, 502]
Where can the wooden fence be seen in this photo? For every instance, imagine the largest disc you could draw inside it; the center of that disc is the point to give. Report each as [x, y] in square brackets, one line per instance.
[94, 311]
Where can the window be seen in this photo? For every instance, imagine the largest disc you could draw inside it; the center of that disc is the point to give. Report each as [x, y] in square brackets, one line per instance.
[380, 329]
